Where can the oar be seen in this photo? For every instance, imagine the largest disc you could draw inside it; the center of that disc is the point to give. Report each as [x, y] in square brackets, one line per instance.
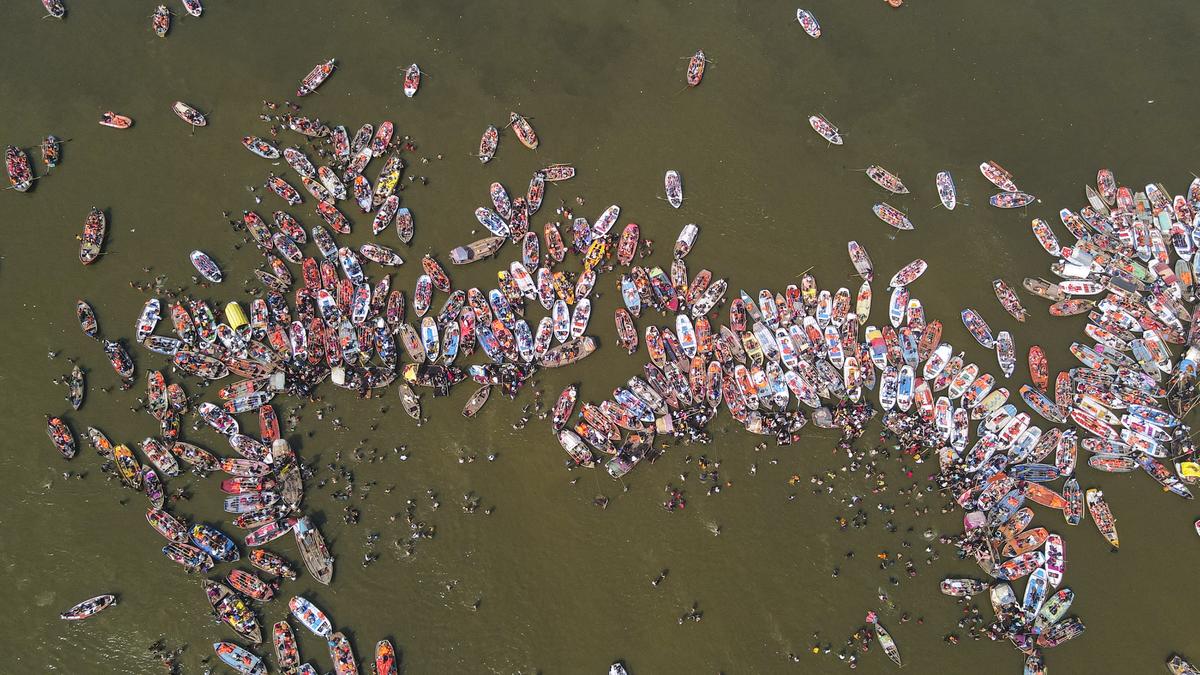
[35, 178]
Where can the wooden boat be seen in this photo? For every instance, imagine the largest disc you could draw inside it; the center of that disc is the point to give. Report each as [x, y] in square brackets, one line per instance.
[998, 176]
[1106, 183]
[825, 129]
[477, 401]
[250, 585]
[313, 550]
[87, 319]
[1071, 307]
[886, 179]
[55, 8]
[1010, 200]
[286, 652]
[558, 172]
[51, 148]
[695, 68]
[477, 250]
[488, 143]
[861, 260]
[888, 644]
[524, 131]
[193, 7]
[1006, 352]
[1045, 237]
[315, 77]
[1102, 516]
[412, 80]
[947, 193]
[674, 188]
[189, 114]
[1009, 300]
[284, 189]
[238, 658]
[260, 147]
[978, 328]
[909, 273]
[892, 216]
[19, 172]
[161, 21]
[809, 23]
[685, 241]
[92, 239]
[569, 352]
[385, 659]
[89, 608]
[112, 119]
[342, 655]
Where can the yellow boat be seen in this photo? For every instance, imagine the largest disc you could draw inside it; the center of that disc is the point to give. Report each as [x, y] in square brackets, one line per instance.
[128, 466]
[595, 254]
[235, 316]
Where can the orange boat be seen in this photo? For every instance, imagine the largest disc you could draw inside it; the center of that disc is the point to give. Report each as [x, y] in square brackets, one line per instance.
[1038, 369]
[112, 119]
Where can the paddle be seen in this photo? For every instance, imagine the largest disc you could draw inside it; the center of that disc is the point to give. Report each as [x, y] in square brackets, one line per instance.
[35, 178]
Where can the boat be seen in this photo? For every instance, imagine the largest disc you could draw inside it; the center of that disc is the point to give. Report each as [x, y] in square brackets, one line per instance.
[51, 148]
[861, 261]
[55, 9]
[674, 188]
[193, 7]
[886, 641]
[892, 216]
[886, 179]
[237, 657]
[342, 655]
[312, 548]
[523, 130]
[685, 241]
[488, 143]
[310, 616]
[809, 23]
[161, 21]
[1102, 516]
[19, 172]
[385, 659]
[1009, 300]
[978, 328]
[89, 608]
[998, 176]
[112, 119]
[412, 80]
[825, 129]
[189, 114]
[476, 250]
[558, 172]
[1010, 200]
[315, 77]
[477, 401]
[947, 193]
[1180, 666]
[206, 267]
[262, 148]
[92, 239]
[286, 652]
[695, 68]
[909, 273]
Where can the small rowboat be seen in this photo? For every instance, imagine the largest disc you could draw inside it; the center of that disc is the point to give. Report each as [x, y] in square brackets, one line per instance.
[315, 77]
[946, 190]
[978, 328]
[112, 119]
[1106, 182]
[892, 216]
[206, 267]
[193, 7]
[237, 657]
[94, 227]
[385, 659]
[809, 23]
[558, 172]
[189, 114]
[260, 147]
[161, 21]
[695, 68]
[1102, 516]
[861, 260]
[19, 172]
[412, 80]
[826, 130]
[1045, 237]
[1009, 300]
[55, 8]
[488, 143]
[1011, 200]
[909, 273]
[888, 644]
[674, 188]
[51, 148]
[477, 401]
[886, 179]
[89, 608]
[998, 176]
[524, 131]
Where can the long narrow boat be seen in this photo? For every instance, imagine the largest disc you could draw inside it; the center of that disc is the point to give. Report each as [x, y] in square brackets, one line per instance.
[89, 608]
[886, 180]
[90, 242]
[888, 644]
[524, 130]
[314, 551]
[947, 193]
[316, 77]
[19, 172]
[1102, 516]
[695, 68]
[488, 143]
[892, 216]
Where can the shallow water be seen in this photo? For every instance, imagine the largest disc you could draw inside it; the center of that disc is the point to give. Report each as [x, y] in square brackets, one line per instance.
[1052, 92]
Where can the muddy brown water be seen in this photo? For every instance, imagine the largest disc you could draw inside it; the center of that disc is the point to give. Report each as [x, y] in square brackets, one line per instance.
[1051, 91]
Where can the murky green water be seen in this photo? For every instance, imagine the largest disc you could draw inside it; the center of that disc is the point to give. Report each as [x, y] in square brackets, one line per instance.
[1051, 91]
